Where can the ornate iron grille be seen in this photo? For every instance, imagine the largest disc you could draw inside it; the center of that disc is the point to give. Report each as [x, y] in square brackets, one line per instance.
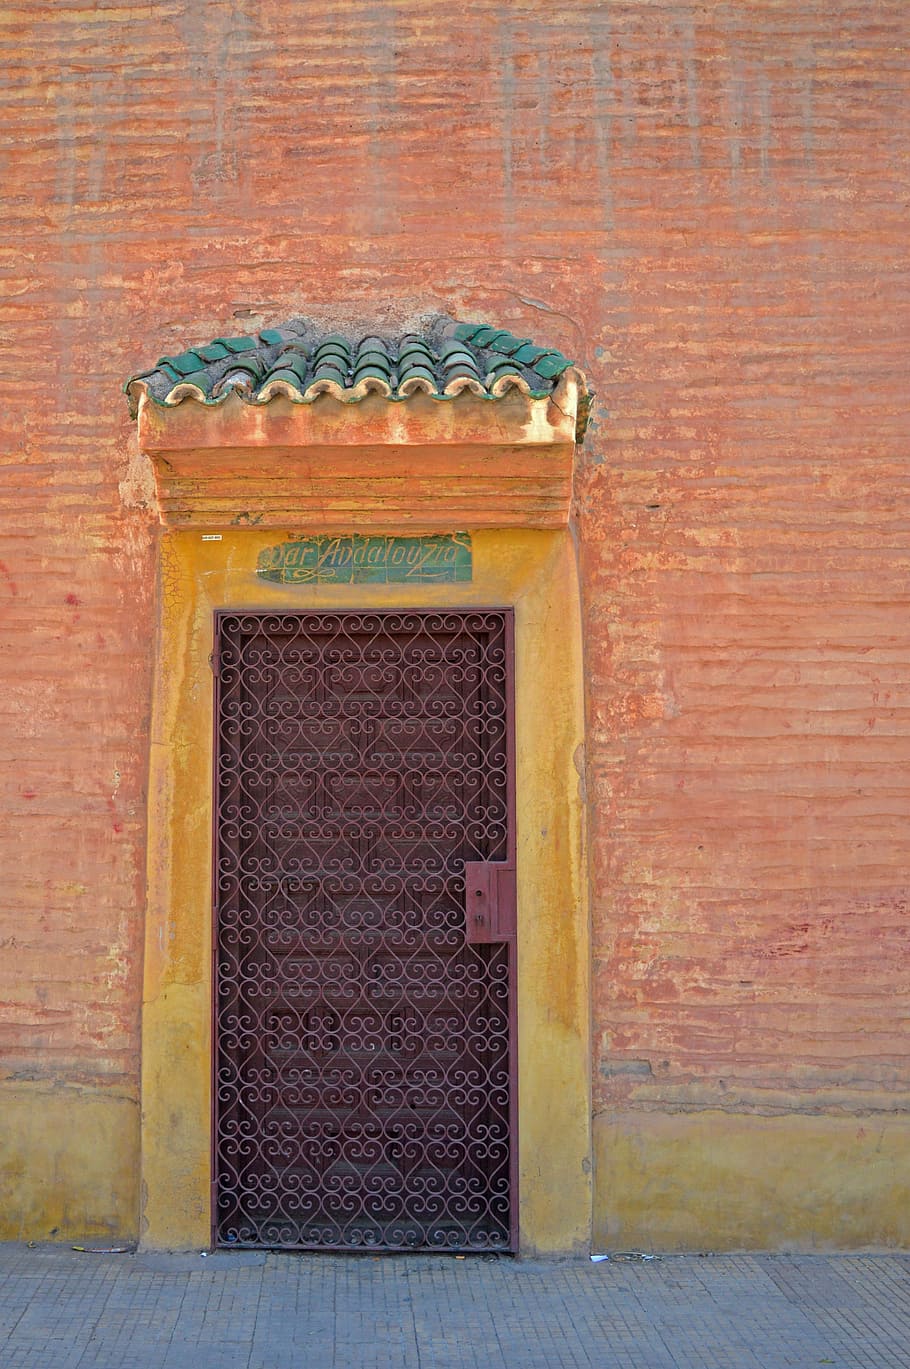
[364, 1033]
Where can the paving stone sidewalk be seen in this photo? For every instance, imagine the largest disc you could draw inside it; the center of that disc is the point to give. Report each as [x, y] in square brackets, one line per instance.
[240, 1310]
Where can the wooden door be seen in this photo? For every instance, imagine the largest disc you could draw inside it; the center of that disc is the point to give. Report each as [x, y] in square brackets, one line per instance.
[364, 1074]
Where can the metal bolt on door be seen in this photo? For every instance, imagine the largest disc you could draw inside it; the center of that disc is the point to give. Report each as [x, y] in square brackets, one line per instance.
[364, 940]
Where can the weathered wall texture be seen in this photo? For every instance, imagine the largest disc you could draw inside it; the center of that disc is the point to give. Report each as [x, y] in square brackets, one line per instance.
[706, 207]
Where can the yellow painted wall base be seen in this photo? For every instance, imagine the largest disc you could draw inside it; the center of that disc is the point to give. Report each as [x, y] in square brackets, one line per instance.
[69, 1163]
[712, 1181]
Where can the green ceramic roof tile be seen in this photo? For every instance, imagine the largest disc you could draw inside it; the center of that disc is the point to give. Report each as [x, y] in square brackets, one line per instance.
[451, 346]
[442, 361]
[484, 335]
[165, 366]
[414, 349]
[469, 372]
[287, 374]
[329, 370]
[237, 344]
[215, 351]
[374, 344]
[251, 362]
[508, 344]
[371, 373]
[289, 365]
[201, 379]
[375, 357]
[552, 365]
[334, 353]
[460, 358]
[528, 354]
[185, 363]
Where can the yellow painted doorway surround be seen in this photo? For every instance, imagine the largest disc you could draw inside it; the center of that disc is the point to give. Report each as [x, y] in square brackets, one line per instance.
[208, 561]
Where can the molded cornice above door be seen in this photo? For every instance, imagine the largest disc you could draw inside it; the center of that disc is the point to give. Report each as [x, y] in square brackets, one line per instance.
[462, 425]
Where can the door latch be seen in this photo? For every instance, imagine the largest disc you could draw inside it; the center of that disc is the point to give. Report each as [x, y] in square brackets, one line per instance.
[490, 901]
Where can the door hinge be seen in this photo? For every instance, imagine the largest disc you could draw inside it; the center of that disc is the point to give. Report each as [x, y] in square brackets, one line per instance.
[215, 663]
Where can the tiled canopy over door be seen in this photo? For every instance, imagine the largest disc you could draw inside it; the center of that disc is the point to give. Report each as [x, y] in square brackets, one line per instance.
[294, 424]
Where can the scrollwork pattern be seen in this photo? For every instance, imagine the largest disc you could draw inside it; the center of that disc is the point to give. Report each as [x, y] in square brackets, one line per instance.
[362, 1088]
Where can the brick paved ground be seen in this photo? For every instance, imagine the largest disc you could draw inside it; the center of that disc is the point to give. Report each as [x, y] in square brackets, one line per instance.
[60, 1310]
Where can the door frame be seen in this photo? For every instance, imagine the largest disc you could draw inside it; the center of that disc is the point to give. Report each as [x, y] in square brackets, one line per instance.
[535, 573]
[508, 615]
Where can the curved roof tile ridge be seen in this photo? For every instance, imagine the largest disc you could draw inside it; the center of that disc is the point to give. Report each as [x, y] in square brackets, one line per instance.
[300, 362]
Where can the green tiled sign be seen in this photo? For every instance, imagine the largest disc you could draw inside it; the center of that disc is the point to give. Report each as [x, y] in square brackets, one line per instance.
[361, 560]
